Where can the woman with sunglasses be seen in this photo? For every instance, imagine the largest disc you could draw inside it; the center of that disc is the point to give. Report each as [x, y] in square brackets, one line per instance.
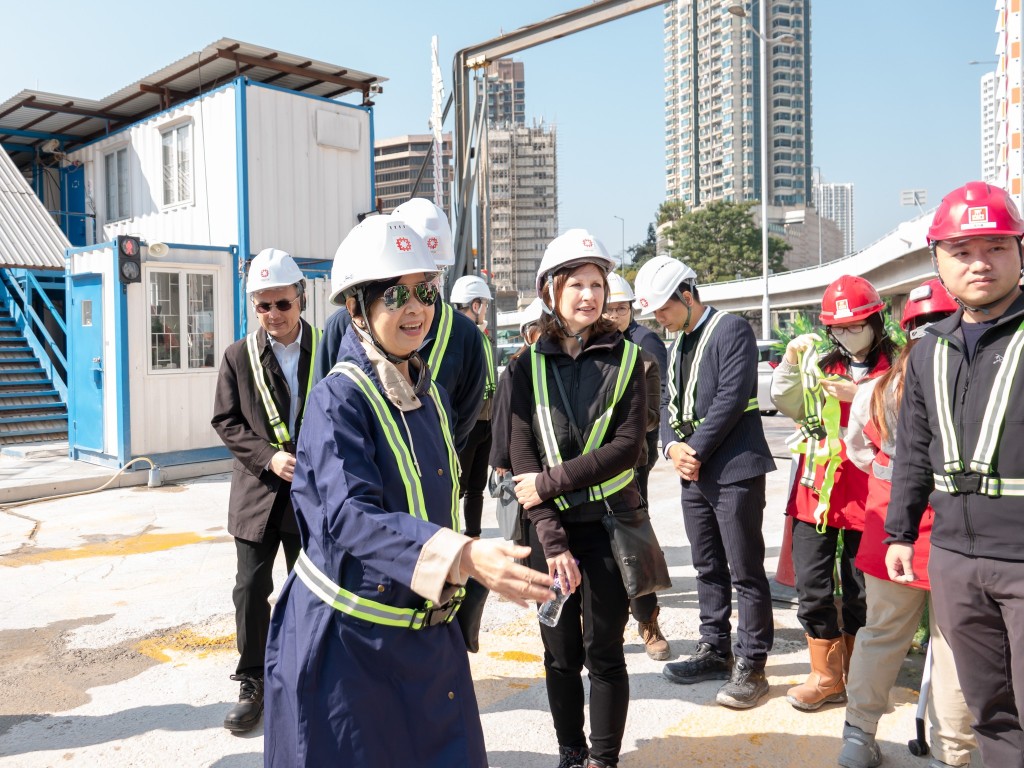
[895, 608]
[579, 415]
[365, 663]
[829, 493]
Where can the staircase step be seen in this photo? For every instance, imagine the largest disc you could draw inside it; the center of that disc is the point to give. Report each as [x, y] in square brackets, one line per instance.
[56, 430]
[16, 360]
[50, 392]
[18, 371]
[5, 420]
[35, 407]
[20, 383]
[8, 346]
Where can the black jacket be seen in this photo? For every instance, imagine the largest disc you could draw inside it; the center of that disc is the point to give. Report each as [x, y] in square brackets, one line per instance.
[730, 442]
[589, 380]
[241, 421]
[969, 523]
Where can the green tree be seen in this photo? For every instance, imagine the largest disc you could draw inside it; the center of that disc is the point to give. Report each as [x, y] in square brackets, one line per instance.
[641, 252]
[670, 210]
[721, 242]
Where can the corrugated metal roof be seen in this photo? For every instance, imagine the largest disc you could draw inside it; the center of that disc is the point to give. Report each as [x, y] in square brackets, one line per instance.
[29, 237]
[76, 120]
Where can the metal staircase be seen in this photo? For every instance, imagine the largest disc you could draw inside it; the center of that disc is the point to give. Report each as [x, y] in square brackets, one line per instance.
[31, 409]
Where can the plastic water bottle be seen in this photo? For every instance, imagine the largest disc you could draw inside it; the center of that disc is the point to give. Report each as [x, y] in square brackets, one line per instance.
[550, 612]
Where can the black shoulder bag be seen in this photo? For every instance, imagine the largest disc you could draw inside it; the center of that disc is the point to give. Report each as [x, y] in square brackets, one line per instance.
[635, 546]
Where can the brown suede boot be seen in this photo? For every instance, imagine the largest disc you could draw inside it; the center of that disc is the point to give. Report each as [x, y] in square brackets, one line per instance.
[654, 642]
[825, 683]
[848, 642]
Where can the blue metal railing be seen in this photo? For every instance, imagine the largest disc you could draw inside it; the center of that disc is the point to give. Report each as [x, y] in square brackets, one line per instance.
[22, 286]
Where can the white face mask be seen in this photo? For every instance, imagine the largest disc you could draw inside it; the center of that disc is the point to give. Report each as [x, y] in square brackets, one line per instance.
[855, 344]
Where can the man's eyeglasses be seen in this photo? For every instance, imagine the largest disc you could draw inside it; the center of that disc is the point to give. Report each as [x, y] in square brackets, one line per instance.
[397, 296]
[282, 305]
[619, 310]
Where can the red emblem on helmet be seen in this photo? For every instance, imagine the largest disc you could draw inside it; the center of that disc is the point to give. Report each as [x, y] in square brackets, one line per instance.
[432, 243]
[643, 303]
[588, 243]
[264, 273]
[403, 244]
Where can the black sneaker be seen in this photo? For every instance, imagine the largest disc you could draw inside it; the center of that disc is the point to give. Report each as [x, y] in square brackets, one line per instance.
[247, 712]
[706, 664]
[745, 688]
[572, 757]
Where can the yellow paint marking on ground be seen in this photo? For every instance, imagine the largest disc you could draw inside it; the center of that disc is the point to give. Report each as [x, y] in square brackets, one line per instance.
[522, 656]
[130, 545]
[186, 640]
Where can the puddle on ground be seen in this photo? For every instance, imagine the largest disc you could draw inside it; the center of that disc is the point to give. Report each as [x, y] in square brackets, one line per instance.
[39, 674]
[521, 656]
[109, 547]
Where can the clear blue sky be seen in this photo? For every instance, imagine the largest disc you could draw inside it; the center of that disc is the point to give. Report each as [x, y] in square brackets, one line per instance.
[895, 103]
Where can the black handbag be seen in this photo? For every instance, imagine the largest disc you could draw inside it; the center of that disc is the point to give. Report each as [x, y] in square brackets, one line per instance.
[471, 613]
[637, 552]
[507, 508]
[635, 546]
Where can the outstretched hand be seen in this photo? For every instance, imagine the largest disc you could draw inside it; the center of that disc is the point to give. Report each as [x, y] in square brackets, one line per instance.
[489, 561]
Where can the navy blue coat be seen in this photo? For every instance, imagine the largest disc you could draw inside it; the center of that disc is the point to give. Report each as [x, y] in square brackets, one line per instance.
[339, 690]
[462, 372]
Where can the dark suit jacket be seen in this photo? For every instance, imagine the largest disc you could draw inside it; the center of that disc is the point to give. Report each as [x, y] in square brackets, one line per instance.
[241, 421]
[730, 442]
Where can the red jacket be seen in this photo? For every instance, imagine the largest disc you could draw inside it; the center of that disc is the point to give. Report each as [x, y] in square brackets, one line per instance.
[846, 507]
[871, 555]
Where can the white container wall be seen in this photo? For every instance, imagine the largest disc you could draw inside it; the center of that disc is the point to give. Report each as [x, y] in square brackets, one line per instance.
[309, 171]
[180, 321]
[198, 205]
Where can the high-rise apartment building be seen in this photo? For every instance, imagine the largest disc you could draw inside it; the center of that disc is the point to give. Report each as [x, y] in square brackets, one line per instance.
[713, 102]
[506, 92]
[1009, 118]
[988, 127]
[396, 165]
[519, 206]
[835, 202]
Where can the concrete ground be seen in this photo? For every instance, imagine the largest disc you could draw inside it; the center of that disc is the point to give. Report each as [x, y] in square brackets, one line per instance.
[117, 639]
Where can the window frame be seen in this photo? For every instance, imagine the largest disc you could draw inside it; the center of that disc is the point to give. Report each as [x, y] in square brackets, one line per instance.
[183, 274]
[119, 215]
[172, 130]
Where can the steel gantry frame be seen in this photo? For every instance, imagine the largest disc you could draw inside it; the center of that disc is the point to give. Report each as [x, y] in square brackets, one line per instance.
[469, 126]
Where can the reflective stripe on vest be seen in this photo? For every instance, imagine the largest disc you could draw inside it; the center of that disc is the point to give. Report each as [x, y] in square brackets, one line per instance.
[490, 386]
[444, 335]
[683, 413]
[956, 479]
[350, 603]
[259, 375]
[818, 437]
[597, 431]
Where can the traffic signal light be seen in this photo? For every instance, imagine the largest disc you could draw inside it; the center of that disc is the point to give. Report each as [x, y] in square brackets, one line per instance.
[129, 259]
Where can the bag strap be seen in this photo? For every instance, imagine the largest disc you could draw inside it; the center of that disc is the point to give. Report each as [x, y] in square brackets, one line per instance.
[568, 408]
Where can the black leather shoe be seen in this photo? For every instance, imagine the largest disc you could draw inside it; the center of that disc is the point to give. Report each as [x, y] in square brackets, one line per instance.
[245, 715]
[706, 664]
[745, 688]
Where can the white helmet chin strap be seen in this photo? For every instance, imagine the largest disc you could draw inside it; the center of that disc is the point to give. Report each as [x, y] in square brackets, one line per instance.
[369, 335]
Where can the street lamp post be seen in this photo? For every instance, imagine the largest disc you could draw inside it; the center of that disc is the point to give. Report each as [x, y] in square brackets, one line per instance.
[739, 11]
[622, 253]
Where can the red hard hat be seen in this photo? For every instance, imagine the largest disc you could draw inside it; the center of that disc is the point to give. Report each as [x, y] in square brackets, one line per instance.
[976, 209]
[849, 300]
[929, 298]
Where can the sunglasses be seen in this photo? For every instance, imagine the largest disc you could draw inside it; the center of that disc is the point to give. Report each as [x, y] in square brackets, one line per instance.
[397, 296]
[282, 305]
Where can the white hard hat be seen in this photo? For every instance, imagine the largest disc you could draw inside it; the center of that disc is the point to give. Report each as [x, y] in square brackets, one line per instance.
[378, 248]
[658, 280]
[432, 225]
[272, 268]
[575, 247]
[618, 288]
[469, 287]
[531, 314]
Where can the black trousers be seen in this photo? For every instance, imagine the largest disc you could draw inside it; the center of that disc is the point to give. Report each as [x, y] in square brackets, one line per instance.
[643, 608]
[589, 634]
[254, 582]
[473, 480]
[979, 606]
[723, 524]
[814, 564]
